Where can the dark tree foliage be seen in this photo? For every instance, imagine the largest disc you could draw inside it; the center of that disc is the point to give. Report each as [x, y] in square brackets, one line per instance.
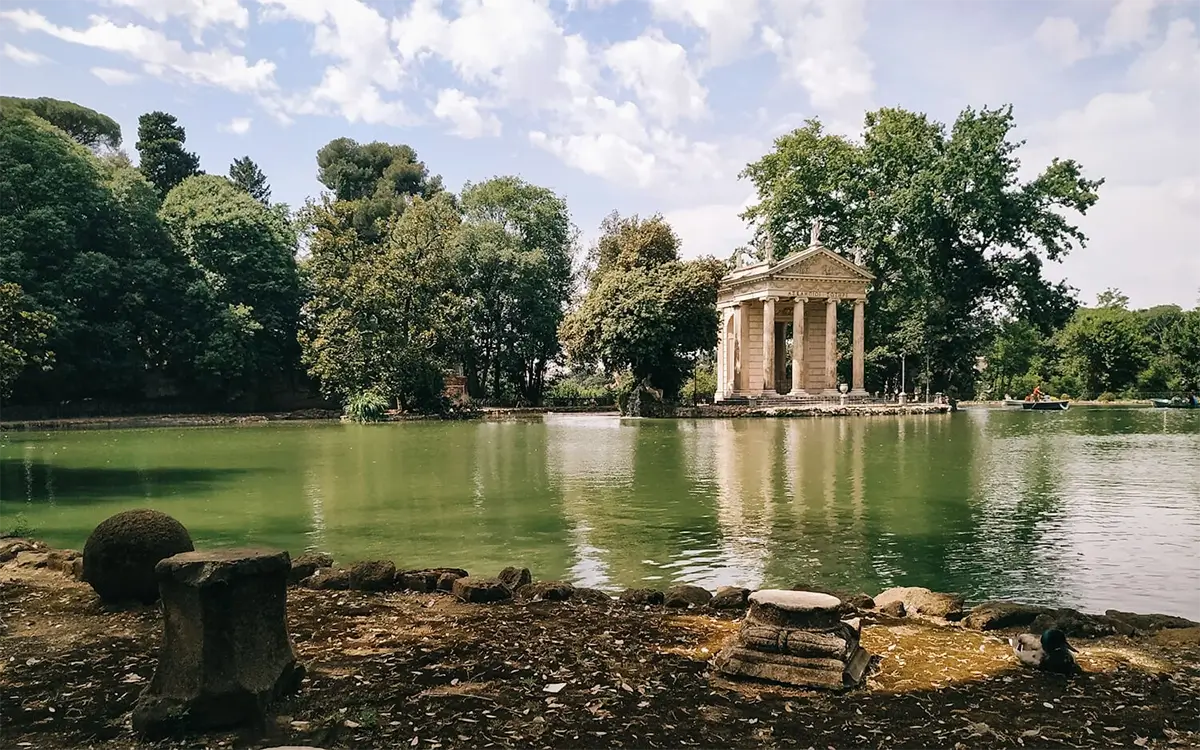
[163, 158]
[87, 126]
[24, 335]
[245, 174]
[377, 179]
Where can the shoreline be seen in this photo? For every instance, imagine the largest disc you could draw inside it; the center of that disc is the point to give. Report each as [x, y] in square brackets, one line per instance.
[706, 411]
[409, 668]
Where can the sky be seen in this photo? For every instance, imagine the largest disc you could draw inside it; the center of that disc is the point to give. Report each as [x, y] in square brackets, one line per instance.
[653, 106]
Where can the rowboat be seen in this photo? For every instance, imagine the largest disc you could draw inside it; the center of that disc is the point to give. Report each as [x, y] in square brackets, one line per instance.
[1047, 405]
[1014, 403]
[1167, 403]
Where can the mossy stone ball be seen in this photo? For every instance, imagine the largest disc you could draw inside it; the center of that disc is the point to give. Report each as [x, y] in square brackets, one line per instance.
[120, 555]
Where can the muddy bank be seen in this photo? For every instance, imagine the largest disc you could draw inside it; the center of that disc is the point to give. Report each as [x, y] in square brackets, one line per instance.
[403, 669]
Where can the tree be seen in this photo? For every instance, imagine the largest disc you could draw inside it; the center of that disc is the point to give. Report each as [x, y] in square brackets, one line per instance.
[245, 174]
[163, 159]
[646, 311]
[1104, 347]
[952, 235]
[516, 248]
[377, 178]
[383, 316]
[24, 332]
[247, 257]
[88, 127]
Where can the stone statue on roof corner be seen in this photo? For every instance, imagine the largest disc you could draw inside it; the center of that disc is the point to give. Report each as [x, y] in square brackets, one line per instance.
[815, 237]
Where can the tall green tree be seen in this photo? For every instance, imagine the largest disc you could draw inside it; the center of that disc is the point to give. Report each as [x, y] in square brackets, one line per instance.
[646, 311]
[1104, 347]
[163, 158]
[245, 174]
[24, 335]
[517, 245]
[384, 317]
[377, 179]
[951, 233]
[88, 127]
[247, 257]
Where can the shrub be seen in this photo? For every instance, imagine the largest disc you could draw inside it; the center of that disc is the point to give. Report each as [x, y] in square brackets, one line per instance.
[367, 406]
[21, 527]
[1064, 397]
[1107, 396]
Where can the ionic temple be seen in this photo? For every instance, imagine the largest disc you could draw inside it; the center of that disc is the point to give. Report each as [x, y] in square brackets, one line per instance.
[764, 304]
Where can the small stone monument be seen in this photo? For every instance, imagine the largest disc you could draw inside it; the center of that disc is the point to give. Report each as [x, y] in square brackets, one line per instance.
[226, 655]
[796, 638]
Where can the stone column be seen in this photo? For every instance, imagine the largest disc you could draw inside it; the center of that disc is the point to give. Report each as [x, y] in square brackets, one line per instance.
[856, 381]
[225, 655]
[831, 383]
[720, 354]
[739, 347]
[768, 354]
[799, 348]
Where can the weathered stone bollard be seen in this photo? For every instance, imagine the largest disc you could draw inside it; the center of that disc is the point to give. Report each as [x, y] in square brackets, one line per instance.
[796, 638]
[226, 655]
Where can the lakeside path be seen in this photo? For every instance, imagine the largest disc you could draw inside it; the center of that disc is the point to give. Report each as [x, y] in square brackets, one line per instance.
[425, 671]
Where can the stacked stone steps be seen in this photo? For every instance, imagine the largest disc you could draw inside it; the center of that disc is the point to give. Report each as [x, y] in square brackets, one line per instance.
[797, 638]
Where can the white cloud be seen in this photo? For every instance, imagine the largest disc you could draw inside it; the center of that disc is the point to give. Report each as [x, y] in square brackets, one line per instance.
[237, 126]
[356, 36]
[1128, 23]
[158, 55]
[198, 14]
[465, 114]
[1141, 137]
[657, 70]
[1061, 38]
[818, 44]
[712, 229]
[728, 25]
[23, 56]
[115, 76]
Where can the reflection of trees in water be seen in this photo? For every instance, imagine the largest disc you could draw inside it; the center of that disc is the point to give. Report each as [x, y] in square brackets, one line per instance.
[1017, 501]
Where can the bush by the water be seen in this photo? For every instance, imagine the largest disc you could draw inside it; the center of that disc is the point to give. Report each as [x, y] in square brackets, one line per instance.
[367, 406]
[20, 527]
[1107, 396]
[120, 555]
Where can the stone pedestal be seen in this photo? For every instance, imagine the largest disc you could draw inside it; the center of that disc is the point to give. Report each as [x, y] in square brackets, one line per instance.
[226, 655]
[796, 638]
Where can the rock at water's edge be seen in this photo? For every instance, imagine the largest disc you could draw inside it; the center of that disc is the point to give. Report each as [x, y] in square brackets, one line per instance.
[481, 590]
[641, 596]
[515, 578]
[1151, 623]
[591, 596]
[549, 591]
[730, 597]
[372, 575]
[922, 601]
[685, 596]
[998, 615]
[328, 579]
[307, 564]
[892, 609]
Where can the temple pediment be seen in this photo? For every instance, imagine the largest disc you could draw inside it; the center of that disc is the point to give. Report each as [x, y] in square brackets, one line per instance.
[819, 262]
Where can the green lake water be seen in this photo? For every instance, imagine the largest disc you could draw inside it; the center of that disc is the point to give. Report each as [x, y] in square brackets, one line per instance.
[1092, 508]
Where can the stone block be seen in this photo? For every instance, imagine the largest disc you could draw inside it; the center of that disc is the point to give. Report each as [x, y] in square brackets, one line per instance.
[591, 596]
[797, 671]
[329, 579]
[373, 575]
[481, 590]
[226, 655]
[794, 609]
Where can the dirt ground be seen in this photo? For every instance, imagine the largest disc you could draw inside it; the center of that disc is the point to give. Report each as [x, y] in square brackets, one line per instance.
[423, 671]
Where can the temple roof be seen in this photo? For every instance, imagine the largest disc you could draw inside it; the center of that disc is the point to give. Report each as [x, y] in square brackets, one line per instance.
[813, 262]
